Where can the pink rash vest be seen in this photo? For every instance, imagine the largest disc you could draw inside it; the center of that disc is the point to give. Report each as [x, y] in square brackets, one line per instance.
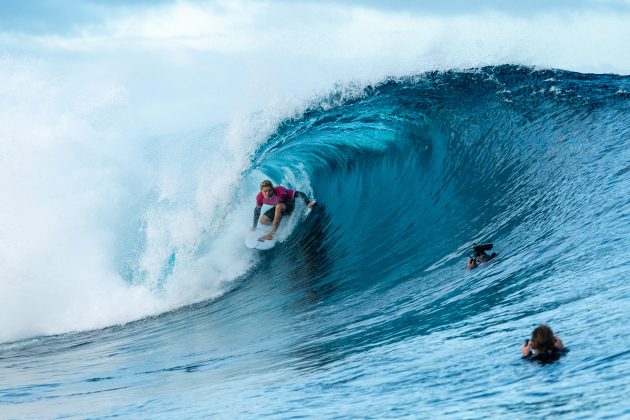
[280, 195]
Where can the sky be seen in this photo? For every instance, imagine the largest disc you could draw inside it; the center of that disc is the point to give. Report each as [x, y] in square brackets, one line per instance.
[64, 16]
[210, 61]
[214, 60]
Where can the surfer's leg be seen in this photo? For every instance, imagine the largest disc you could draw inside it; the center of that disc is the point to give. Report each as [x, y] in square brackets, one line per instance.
[268, 217]
[277, 217]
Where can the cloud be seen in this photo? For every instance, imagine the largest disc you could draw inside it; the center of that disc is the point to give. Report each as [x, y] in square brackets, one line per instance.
[215, 59]
[581, 40]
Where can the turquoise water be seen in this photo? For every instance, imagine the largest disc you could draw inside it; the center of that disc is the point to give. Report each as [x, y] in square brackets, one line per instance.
[365, 307]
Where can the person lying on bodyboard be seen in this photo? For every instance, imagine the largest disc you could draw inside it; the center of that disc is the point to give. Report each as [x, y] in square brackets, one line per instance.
[479, 255]
[283, 201]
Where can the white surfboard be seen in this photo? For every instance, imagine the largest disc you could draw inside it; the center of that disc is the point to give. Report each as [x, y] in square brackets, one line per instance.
[252, 238]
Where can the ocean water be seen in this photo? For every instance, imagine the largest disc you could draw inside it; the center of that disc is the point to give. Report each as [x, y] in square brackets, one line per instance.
[365, 307]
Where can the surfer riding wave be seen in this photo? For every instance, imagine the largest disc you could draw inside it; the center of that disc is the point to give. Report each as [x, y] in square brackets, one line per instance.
[283, 201]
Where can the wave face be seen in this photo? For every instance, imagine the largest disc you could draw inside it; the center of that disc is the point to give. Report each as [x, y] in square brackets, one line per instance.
[366, 307]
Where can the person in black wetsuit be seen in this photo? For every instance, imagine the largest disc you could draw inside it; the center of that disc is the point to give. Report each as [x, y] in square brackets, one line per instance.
[544, 346]
[479, 255]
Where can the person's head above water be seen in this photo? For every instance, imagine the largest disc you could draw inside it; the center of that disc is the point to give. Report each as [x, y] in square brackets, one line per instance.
[479, 255]
[543, 340]
[472, 263]
[266, 187]
[547, 347]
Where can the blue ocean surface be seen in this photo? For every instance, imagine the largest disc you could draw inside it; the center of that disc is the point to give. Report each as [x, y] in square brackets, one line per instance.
[365, 307]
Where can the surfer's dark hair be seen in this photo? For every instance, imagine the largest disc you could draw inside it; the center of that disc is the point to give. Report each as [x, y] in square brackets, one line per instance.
[543, 340]
[266, 183]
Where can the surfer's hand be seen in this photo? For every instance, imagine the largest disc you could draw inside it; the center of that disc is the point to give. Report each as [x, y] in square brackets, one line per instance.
[526, 349]
[558, 343]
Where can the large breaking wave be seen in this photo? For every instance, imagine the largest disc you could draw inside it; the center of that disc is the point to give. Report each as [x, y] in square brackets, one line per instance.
[408, 173]
[367, 294]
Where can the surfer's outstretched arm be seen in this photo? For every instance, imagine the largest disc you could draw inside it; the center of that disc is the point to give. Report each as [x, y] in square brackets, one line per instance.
[256, 217]
[278, 211]
[277, 217]
[304, 197]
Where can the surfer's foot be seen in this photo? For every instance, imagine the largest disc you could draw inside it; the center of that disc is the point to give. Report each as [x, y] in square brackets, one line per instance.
[267, 237]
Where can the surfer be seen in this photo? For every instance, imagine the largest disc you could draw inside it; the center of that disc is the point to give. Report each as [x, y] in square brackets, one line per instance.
[479, 255]
[544, 346]
[283, 201]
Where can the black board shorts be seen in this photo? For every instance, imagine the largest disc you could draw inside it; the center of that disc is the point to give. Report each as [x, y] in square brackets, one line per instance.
[272, 211]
